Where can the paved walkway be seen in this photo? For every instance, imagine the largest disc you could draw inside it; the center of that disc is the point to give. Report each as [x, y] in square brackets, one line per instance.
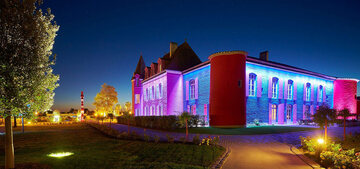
[256, 151]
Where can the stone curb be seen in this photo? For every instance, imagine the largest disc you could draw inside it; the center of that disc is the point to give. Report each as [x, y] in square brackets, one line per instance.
[219, 163]
[307, 160]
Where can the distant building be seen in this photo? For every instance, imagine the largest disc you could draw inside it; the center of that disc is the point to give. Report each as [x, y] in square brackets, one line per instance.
[232, 89]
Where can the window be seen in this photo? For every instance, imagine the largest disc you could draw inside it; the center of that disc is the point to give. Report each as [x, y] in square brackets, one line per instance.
[290, 89]
[275, 87]
[289, 109]
[192, 89]
[273, 112]
[308, 92]
[193, 109]
[252, 84]
[160, 112]
[320, 93]
[137, 82]
[137, 98]
[147, 94]
[160, 68]
[153, 93]
[160, 90]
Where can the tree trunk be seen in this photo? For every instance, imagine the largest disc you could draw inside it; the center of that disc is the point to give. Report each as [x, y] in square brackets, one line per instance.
[15, 125]
[110, 122]
[187, 132]
[9, 144]
[344, 128]
[22, 121]
[325, 130]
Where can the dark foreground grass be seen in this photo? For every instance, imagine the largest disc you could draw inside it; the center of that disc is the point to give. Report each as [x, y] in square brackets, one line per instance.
[94, 150]
[247, 131]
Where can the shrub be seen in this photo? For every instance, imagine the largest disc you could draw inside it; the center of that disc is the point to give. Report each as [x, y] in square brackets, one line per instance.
[196, 139]
[182, 139]
[135, 136]
[170, 138]
[156, 139]
[257, 122]
[147, 138]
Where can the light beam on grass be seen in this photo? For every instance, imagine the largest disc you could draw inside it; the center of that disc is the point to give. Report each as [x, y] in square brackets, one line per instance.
[60, 155]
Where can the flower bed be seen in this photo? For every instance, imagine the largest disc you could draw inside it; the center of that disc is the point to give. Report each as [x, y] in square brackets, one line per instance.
[331, 154]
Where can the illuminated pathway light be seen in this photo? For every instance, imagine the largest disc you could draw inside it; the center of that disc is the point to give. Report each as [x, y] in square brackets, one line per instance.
[320, 141]
[60, 155]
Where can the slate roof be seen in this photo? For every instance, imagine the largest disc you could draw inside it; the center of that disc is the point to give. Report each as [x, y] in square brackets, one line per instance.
[183, 58]
[140, 68]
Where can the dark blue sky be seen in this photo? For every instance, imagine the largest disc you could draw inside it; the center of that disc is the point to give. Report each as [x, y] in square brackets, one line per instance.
[100, 41]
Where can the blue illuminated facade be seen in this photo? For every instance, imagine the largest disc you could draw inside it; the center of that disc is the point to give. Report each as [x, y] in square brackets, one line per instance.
[268, 98]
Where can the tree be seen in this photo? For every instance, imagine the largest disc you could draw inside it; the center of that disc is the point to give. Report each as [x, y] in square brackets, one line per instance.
[323, 117]
[105, 100]
[345, 113]
[27, 83]
[128, 106]
[111, 116]
[117, 110]
[183, 120]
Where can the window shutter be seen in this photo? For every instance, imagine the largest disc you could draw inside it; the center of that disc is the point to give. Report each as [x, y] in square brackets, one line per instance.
[247, 84]
[196, 88]
[286, 89]
[270, 115]
[312, 93]
[295, 90]
[294, 113]
[317, 93]
[281, 94]
[270, 88]
[259, 87]
[324, 94]
[304, 93]
[280, 113]
[187, 91]
[304, 112]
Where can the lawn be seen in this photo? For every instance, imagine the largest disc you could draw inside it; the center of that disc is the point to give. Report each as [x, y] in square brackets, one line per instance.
[247, 131]
[94, 150]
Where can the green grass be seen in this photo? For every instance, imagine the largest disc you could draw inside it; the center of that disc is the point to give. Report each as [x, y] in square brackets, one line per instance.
[247, 131]
[94, 150]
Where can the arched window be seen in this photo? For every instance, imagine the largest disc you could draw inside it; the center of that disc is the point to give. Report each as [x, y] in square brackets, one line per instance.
[275, 87]
[290, 89]
[320, 93]
[252, 84]
[192, 89]
[308, 92]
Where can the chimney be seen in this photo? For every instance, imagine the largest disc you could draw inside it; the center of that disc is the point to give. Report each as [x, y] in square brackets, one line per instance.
[264, 56]
[173, 47]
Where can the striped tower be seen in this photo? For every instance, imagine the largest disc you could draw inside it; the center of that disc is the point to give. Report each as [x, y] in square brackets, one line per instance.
[82, 106]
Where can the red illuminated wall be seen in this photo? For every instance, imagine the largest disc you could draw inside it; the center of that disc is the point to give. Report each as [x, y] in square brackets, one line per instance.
[358, 107]
[227, 89]
[345, 94]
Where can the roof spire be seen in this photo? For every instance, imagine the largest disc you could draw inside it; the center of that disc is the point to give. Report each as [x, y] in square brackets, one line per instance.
[140, 67]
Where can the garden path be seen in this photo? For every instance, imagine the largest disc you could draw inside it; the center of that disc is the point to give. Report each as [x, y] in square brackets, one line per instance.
[256, 151]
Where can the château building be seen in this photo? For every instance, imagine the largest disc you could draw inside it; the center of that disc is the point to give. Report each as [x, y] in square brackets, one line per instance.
[232, 89]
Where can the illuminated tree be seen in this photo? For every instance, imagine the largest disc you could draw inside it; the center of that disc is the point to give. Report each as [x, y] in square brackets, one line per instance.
[105, 100]
[325, 116]
[183, 120]
[27, 83]
[117, 110]
[128, 106]
[345, 113]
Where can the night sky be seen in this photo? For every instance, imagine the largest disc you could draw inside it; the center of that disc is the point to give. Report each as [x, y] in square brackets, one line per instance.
[101, 41]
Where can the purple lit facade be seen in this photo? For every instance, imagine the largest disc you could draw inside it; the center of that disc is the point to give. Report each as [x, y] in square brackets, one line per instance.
[274, 93]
